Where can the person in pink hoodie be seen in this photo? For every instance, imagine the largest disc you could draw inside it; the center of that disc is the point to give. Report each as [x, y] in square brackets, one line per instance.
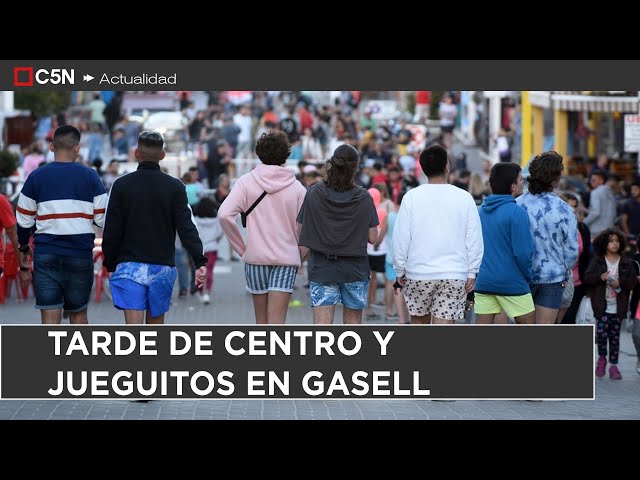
[271, 253]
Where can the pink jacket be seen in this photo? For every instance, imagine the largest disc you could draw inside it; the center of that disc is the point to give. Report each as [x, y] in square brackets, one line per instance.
[271, 227]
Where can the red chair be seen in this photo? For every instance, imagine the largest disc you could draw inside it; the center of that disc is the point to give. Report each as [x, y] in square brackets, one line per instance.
[100, 272]
[10, 277]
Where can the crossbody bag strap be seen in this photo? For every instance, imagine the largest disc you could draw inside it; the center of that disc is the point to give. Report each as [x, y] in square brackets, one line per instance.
[243, 215]
[255, 204]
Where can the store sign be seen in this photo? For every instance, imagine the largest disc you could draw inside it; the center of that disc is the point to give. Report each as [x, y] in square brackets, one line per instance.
[632, 133]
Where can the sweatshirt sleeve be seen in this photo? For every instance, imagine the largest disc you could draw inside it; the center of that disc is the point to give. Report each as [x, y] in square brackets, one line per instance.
[593, 273]
[113, 228]
[26, 211]
[229, 211]
[302, 200]
[473, 239]
[570, 243]
[99, 200]
[186, 226]
[402, 236]
[522, 243]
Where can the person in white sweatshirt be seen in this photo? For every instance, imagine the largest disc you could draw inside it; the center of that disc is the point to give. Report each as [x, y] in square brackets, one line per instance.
[437, 244]
[210, 233]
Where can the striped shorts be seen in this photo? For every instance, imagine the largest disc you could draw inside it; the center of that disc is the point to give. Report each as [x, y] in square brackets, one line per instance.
[262, 278]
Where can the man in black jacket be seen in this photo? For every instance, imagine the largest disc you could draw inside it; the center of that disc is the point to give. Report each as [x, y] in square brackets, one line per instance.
[144, 211]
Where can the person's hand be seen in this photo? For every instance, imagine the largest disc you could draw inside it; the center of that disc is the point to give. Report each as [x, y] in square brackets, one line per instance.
[399, 285]
[25, 278]
[615, 284]
[201, 276]
[470, 285]
[22, 257]
[604, 276]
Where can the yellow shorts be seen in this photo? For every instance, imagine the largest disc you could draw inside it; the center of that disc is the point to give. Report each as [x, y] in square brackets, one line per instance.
[514, 306]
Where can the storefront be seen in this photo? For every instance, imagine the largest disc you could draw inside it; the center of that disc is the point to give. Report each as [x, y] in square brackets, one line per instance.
[584, 124]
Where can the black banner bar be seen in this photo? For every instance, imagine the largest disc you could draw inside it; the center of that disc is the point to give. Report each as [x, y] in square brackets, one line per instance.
[319, 75]
[442, 362]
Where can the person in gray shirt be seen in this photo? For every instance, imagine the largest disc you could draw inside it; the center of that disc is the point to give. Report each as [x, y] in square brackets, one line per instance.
[602, 206]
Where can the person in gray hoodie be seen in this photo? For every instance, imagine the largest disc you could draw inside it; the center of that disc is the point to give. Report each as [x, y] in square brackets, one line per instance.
[602, 205]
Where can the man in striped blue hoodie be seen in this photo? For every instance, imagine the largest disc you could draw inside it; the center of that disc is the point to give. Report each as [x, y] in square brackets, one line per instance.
[63, 200]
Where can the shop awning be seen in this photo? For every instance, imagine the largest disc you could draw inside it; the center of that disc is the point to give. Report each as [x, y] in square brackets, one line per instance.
[591, 103]
[540, 99]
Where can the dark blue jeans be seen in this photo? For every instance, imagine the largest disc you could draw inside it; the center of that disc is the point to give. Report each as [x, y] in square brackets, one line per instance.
[62, 282]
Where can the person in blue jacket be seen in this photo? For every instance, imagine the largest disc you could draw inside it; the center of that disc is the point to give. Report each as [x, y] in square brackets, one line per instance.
[505, 272]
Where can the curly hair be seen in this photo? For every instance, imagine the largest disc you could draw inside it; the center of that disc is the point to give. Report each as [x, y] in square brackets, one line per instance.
[342, 167]
[273, 148]
[601, 241]
[545, 169]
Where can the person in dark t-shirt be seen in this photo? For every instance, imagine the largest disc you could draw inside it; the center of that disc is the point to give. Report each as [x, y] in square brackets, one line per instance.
[630, 221]
[336, 221]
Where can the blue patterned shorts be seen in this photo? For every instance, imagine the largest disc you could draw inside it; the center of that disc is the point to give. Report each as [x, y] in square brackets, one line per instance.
[352, 295]
[143, 286]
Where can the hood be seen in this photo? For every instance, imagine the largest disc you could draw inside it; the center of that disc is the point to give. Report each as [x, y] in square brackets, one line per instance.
[330, 196]
[273, 178]
[492, 202]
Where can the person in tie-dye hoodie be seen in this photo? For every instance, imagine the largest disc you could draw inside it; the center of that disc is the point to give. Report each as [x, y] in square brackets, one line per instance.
[555, 235]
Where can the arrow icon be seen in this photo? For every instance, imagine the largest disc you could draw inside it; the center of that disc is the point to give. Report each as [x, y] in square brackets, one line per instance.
[87, 78]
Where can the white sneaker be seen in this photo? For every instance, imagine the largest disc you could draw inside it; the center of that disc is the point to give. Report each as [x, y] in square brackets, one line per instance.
[204, 298]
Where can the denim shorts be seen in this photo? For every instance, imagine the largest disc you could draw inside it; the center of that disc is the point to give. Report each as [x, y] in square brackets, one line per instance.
[548, 295]
[352, 295]
[143, 286]
[62, 282]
